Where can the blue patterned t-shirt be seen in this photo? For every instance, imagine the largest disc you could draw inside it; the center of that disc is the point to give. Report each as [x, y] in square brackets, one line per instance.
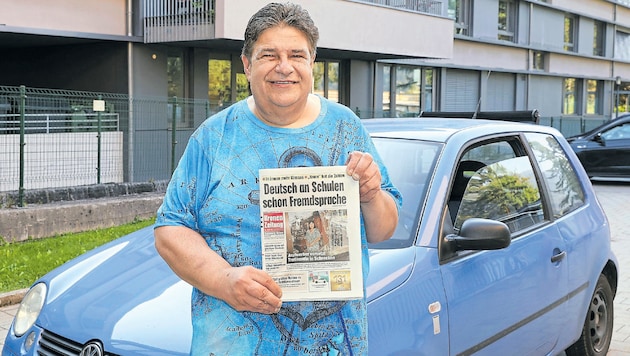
[214, 190]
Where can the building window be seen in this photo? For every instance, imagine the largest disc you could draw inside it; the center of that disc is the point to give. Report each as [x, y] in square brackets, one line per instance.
[538, 60]
[177, 81]
[427, 89]
[569, 95]
[461, 12]
[387, 72]
[175, 73]
[593, 96]
[326, 79]
[220, 88]
[507, 20]
[622, 45]
[570, 33]
[407, 91]
[599, 35]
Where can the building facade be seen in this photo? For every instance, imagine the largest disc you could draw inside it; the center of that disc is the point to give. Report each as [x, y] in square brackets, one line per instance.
[380, 57]
[568, 59]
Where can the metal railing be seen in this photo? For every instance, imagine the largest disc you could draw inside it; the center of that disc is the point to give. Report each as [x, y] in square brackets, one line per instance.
[178, 20]
[55, 123]
[433, 7]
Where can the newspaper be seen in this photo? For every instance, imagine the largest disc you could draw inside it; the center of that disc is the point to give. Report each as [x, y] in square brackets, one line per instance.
[311, 232]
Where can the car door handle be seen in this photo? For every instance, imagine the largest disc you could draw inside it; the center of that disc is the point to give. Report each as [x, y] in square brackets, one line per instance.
[558, 257]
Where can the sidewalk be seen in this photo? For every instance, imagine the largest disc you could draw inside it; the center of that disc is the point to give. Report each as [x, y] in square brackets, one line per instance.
[615, 199]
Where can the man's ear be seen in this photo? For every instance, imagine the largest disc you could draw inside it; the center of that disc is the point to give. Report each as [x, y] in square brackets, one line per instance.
[246, 66]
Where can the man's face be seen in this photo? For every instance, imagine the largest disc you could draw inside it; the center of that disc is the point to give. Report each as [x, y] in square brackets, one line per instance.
[280, 71]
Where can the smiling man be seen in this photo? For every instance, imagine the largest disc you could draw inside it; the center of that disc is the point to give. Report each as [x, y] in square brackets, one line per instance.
[208, 227]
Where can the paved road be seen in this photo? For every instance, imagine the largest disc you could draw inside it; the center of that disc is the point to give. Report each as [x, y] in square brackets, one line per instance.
[615, 198]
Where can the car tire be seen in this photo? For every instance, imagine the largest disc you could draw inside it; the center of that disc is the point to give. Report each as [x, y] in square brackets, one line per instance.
[598, 326]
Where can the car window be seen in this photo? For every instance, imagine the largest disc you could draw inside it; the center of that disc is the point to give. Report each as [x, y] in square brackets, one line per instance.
[566, 192]
[410, 165]
[619, 132]
[505, 191]
[496, 181]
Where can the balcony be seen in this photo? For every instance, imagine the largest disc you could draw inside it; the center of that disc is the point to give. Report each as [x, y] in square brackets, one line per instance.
[432, 7]
[178, 20]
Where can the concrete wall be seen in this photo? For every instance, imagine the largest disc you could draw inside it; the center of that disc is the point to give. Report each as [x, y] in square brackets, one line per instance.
[53, 212]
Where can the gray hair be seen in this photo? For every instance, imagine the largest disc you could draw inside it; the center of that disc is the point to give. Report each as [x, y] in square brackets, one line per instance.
[275, 14]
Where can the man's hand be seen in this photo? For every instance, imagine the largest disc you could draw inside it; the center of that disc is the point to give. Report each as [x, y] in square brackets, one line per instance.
[361, 167]
[378, 208]
[250, 289]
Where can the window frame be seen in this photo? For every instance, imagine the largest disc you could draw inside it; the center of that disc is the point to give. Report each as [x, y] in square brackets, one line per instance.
[461, 12]
[506, 30]
[594, 95]
[569, 108]
[599, 38]
[326, 90]
[570, 32]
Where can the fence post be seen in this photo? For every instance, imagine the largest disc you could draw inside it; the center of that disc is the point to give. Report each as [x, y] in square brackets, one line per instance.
[99, 142]
[22, 144]
[173, 134]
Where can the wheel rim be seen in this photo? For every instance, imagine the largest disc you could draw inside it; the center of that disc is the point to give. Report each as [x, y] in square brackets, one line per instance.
[598, 321]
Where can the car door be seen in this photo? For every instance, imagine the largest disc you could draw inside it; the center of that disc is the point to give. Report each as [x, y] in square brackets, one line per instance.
[507, 301]
[609, 154]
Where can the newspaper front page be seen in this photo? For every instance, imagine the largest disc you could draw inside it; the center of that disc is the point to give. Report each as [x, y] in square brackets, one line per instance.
[311, 232]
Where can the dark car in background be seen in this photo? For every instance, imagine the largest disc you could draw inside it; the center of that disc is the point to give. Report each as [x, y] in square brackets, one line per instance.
[605, 150]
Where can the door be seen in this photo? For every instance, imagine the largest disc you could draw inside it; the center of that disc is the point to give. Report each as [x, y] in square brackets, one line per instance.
[508, 301]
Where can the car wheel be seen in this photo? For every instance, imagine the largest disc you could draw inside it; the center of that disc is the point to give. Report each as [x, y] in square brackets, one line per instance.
[598, 326]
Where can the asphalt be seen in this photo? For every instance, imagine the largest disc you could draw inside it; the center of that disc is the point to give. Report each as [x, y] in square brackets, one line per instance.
[615, 199]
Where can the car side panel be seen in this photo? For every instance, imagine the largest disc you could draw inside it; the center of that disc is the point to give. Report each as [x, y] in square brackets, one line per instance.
[508, 301]
[612, 158]
[586, 233]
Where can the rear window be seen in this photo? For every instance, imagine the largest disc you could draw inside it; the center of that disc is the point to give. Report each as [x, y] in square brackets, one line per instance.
[558, 173]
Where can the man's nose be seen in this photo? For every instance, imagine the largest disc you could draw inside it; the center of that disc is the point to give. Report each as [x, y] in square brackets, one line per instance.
[284, 66]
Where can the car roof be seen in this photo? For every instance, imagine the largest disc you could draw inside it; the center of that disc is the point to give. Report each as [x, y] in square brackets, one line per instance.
[441, 129]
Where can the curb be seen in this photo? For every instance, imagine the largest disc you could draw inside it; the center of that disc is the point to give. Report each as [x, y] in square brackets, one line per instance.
[11, 298]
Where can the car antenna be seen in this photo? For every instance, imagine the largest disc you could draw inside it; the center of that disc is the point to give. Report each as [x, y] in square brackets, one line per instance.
[474, 116]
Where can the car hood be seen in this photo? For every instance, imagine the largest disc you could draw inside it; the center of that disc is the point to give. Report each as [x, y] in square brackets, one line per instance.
[98, 296]
[126, 296]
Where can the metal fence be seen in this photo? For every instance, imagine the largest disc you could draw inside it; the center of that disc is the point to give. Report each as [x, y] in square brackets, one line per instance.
[59, 138]
[56, 138]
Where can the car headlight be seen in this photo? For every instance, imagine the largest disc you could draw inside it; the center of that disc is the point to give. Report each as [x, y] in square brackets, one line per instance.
[29, 309]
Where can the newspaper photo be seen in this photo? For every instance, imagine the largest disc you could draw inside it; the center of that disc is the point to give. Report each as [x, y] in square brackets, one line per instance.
[311, 232]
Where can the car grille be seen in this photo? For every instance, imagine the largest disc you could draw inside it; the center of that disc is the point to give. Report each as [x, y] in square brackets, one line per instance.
[51, 344]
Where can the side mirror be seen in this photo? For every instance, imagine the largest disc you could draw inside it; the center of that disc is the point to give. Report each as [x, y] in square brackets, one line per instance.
[598, 138]
[481, 234]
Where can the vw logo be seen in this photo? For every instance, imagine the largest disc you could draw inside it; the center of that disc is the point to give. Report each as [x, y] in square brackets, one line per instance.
[92, 348]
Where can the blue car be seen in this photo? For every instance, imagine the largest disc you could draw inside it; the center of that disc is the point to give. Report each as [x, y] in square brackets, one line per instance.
[501, 248]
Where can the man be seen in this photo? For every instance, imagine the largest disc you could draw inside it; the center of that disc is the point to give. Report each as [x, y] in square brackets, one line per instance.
[208, 227]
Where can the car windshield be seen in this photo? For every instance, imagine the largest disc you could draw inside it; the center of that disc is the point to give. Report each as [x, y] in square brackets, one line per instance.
[410, 164]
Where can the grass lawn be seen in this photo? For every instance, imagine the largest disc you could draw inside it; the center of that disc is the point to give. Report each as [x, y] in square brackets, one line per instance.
[21, 263]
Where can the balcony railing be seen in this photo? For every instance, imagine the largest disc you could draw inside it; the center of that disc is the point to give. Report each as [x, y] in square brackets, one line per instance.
[178, 20]
[433, 7]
